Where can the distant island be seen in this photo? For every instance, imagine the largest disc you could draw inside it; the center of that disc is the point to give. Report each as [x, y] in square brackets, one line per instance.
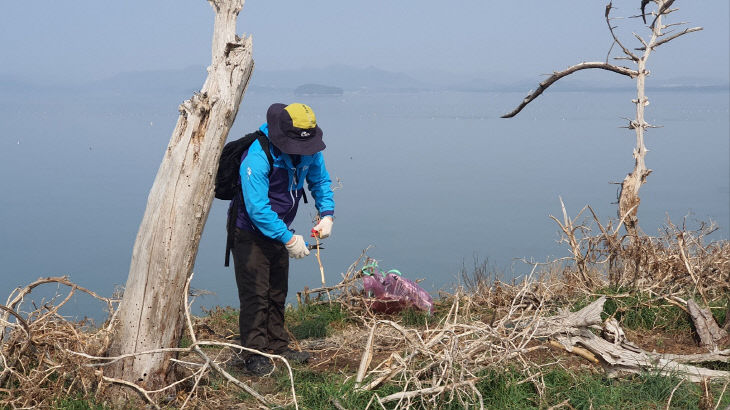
[183, 82]
[317, 89]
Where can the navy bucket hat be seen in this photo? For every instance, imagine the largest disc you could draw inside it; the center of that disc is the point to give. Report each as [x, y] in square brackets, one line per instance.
[293, 129]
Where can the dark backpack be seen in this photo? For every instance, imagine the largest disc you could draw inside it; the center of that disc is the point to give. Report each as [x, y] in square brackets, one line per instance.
[228, 180]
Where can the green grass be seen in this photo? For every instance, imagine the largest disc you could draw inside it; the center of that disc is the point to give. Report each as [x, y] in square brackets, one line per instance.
[637, 311]
[597, 391]
[719, 314]
[500, 390]
[317, 390]
[592, 390]
[314, 321]
[504, 390]
[415, 318]
[634, 312]
[229, 315]
[185, 341]
[222, 316]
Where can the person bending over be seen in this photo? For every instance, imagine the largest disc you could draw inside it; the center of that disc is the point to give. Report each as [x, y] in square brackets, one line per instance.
[263, 242]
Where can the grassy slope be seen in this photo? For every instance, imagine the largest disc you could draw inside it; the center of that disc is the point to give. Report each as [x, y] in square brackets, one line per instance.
[583, 386]
[574, 382]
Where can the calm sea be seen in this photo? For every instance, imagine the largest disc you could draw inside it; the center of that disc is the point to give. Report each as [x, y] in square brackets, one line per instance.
[430, 180]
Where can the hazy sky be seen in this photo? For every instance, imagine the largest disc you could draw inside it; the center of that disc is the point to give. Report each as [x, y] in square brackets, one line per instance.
[85, 39]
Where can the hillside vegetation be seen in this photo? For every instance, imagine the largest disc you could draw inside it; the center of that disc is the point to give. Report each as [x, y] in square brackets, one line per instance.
[615, 325]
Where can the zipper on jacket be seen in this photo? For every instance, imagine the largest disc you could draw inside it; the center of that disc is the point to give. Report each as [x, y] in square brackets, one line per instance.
[291, 191]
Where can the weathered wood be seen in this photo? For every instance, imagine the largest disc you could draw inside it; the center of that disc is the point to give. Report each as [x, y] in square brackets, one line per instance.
[620, 356]
[716, 356]
[151, 314]
[566, 321]
[366, 358]
[586, 354]
[628, 202]
[706, 327]
[625, 358]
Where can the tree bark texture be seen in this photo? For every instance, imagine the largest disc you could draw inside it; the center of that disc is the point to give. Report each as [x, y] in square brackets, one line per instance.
[629, 196]
[151, 313]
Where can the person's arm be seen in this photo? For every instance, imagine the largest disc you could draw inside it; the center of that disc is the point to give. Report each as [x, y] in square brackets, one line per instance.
[255, 186]
[318, 181]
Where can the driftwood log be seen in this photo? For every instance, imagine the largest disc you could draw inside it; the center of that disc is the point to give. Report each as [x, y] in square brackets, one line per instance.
[618, 356]
[151, 314]
[706, 326]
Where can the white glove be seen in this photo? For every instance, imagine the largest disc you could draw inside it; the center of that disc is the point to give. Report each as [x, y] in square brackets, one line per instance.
[324, 227]
[296, 247]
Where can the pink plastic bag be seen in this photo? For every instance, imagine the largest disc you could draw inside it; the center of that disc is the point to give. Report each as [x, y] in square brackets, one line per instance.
[393, 293]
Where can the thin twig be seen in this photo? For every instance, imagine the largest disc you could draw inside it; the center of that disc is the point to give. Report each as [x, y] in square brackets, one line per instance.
[430, 390]
[321, 270]
[626, 51]
[201, 372]
[669, 402]
[721, 395]
[142, 392]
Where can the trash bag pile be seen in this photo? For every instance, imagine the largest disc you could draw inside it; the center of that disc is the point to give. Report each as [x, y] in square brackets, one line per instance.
[390, 292]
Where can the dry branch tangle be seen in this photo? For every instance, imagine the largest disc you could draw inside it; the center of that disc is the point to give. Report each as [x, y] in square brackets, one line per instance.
[151, 312]
[453, 352]
[45, 357]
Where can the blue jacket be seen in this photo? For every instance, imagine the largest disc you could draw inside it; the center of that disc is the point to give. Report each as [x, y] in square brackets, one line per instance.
[271, 196]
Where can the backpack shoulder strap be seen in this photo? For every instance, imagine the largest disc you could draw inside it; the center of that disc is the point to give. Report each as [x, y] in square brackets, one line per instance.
[238, 196]
[264, 141]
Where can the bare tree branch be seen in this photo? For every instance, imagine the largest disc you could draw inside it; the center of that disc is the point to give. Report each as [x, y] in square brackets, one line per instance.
[670, 38]
[560, 74]
[626, 51]
[681, 23]
[22, 321]
[17, 295]
[638, 37]
[663, 10]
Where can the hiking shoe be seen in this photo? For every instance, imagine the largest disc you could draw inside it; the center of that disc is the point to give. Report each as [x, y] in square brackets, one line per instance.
[295, 356]
[237, 362]
[258, 365]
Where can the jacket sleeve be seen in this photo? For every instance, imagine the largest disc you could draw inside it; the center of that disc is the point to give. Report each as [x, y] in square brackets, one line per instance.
[255, 186]
[318, 181]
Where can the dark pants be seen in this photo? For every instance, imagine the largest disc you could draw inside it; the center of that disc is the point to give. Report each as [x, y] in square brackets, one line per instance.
[262, 274]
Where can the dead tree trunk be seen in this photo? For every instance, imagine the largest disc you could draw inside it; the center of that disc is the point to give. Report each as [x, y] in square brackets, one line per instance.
[151, 313]
[629, 196]
[628, 203]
